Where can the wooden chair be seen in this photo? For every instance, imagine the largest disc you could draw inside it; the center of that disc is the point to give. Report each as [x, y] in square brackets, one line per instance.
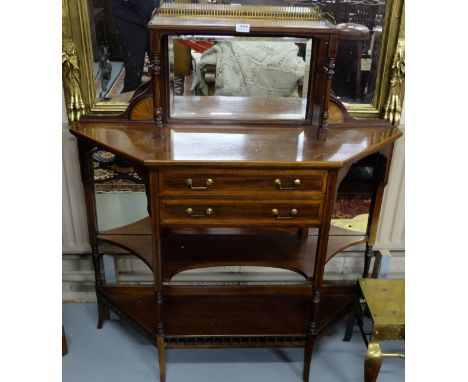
[347, 79]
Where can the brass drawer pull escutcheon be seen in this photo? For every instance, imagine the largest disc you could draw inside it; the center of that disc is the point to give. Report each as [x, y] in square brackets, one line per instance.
[208, 212]
[209, 182]
[297, 183]
[292, 213]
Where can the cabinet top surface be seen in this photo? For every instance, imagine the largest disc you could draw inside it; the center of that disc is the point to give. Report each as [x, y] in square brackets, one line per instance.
[236, 146]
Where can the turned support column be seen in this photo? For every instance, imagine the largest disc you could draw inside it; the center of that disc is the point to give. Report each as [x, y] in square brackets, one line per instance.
[152, 193]
[319, 269]
[87, 177]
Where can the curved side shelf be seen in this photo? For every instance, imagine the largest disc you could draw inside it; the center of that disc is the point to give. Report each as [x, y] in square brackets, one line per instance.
[140, 227]
[139, 245]
[341, 239]
[191, 249]
[135, 238]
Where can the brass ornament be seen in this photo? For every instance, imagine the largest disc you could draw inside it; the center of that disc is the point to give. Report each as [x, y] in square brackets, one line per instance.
[189, 182]
[208, 212]
[392, 109]
[244, 11]
[275, 212]
[279, 184]
[71, 81]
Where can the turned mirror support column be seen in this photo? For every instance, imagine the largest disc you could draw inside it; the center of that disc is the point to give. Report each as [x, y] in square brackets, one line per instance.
[329, 71]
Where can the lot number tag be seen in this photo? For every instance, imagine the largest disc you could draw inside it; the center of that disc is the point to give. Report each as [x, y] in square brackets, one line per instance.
[243, 28]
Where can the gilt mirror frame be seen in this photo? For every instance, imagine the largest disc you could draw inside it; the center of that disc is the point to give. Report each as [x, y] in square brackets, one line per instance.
[80, 90]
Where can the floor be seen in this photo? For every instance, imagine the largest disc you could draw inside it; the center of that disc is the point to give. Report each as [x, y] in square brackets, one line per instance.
[118, 353]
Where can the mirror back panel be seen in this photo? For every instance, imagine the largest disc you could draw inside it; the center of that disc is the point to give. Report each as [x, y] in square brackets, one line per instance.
[232, 64]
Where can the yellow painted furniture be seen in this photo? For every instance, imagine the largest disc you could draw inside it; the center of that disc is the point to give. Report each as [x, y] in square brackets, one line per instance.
[385, 300]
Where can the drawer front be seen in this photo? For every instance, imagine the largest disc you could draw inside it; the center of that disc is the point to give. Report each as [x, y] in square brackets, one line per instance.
[238, 213]
[252, 183]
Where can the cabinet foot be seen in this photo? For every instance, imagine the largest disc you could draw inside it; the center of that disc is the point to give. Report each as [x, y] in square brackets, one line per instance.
[161, 358]
[101, 314]
[308, 357]
[373, 362]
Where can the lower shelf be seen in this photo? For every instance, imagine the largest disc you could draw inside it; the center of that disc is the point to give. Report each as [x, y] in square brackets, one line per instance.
[240, 316]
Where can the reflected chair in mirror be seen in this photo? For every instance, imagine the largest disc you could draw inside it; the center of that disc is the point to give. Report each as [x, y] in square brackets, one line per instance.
[347, 80]
[375, 54]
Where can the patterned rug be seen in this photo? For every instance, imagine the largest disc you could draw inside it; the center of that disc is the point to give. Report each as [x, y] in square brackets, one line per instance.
[117, 86]
[114, 175]
[349, 205]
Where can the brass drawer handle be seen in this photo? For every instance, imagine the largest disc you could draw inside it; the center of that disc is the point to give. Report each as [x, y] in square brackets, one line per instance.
[208, 212]
[297, 183]
[292, 213]
[189, 182]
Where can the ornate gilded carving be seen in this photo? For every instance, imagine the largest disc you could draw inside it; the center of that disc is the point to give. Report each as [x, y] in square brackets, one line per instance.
[392, 109]
[71, 81]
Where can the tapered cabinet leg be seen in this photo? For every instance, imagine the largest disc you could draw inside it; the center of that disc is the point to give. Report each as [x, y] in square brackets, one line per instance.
[101, 314]
[308, 357]
[350, 324]
[373, 362]
[161, 358]
[367, 260]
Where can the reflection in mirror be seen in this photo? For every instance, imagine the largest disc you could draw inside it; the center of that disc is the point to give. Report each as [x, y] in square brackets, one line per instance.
[119, 38]
[119, 189]
[120, 42]
[360, 26]
[233, 77]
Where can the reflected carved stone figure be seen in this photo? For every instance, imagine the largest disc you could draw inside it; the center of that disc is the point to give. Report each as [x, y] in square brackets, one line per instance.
[71, 81]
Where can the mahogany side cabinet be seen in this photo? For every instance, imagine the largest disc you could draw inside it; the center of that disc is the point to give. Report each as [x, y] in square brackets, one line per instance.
[241, 167]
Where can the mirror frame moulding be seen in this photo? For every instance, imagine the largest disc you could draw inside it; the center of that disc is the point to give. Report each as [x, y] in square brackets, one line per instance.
[80, 95]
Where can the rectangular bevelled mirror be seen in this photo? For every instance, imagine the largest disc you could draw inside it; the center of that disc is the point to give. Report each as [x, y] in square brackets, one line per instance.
[239, 78]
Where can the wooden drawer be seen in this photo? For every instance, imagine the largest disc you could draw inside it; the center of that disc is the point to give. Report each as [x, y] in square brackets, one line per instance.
[251, 183]
[237, 213]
